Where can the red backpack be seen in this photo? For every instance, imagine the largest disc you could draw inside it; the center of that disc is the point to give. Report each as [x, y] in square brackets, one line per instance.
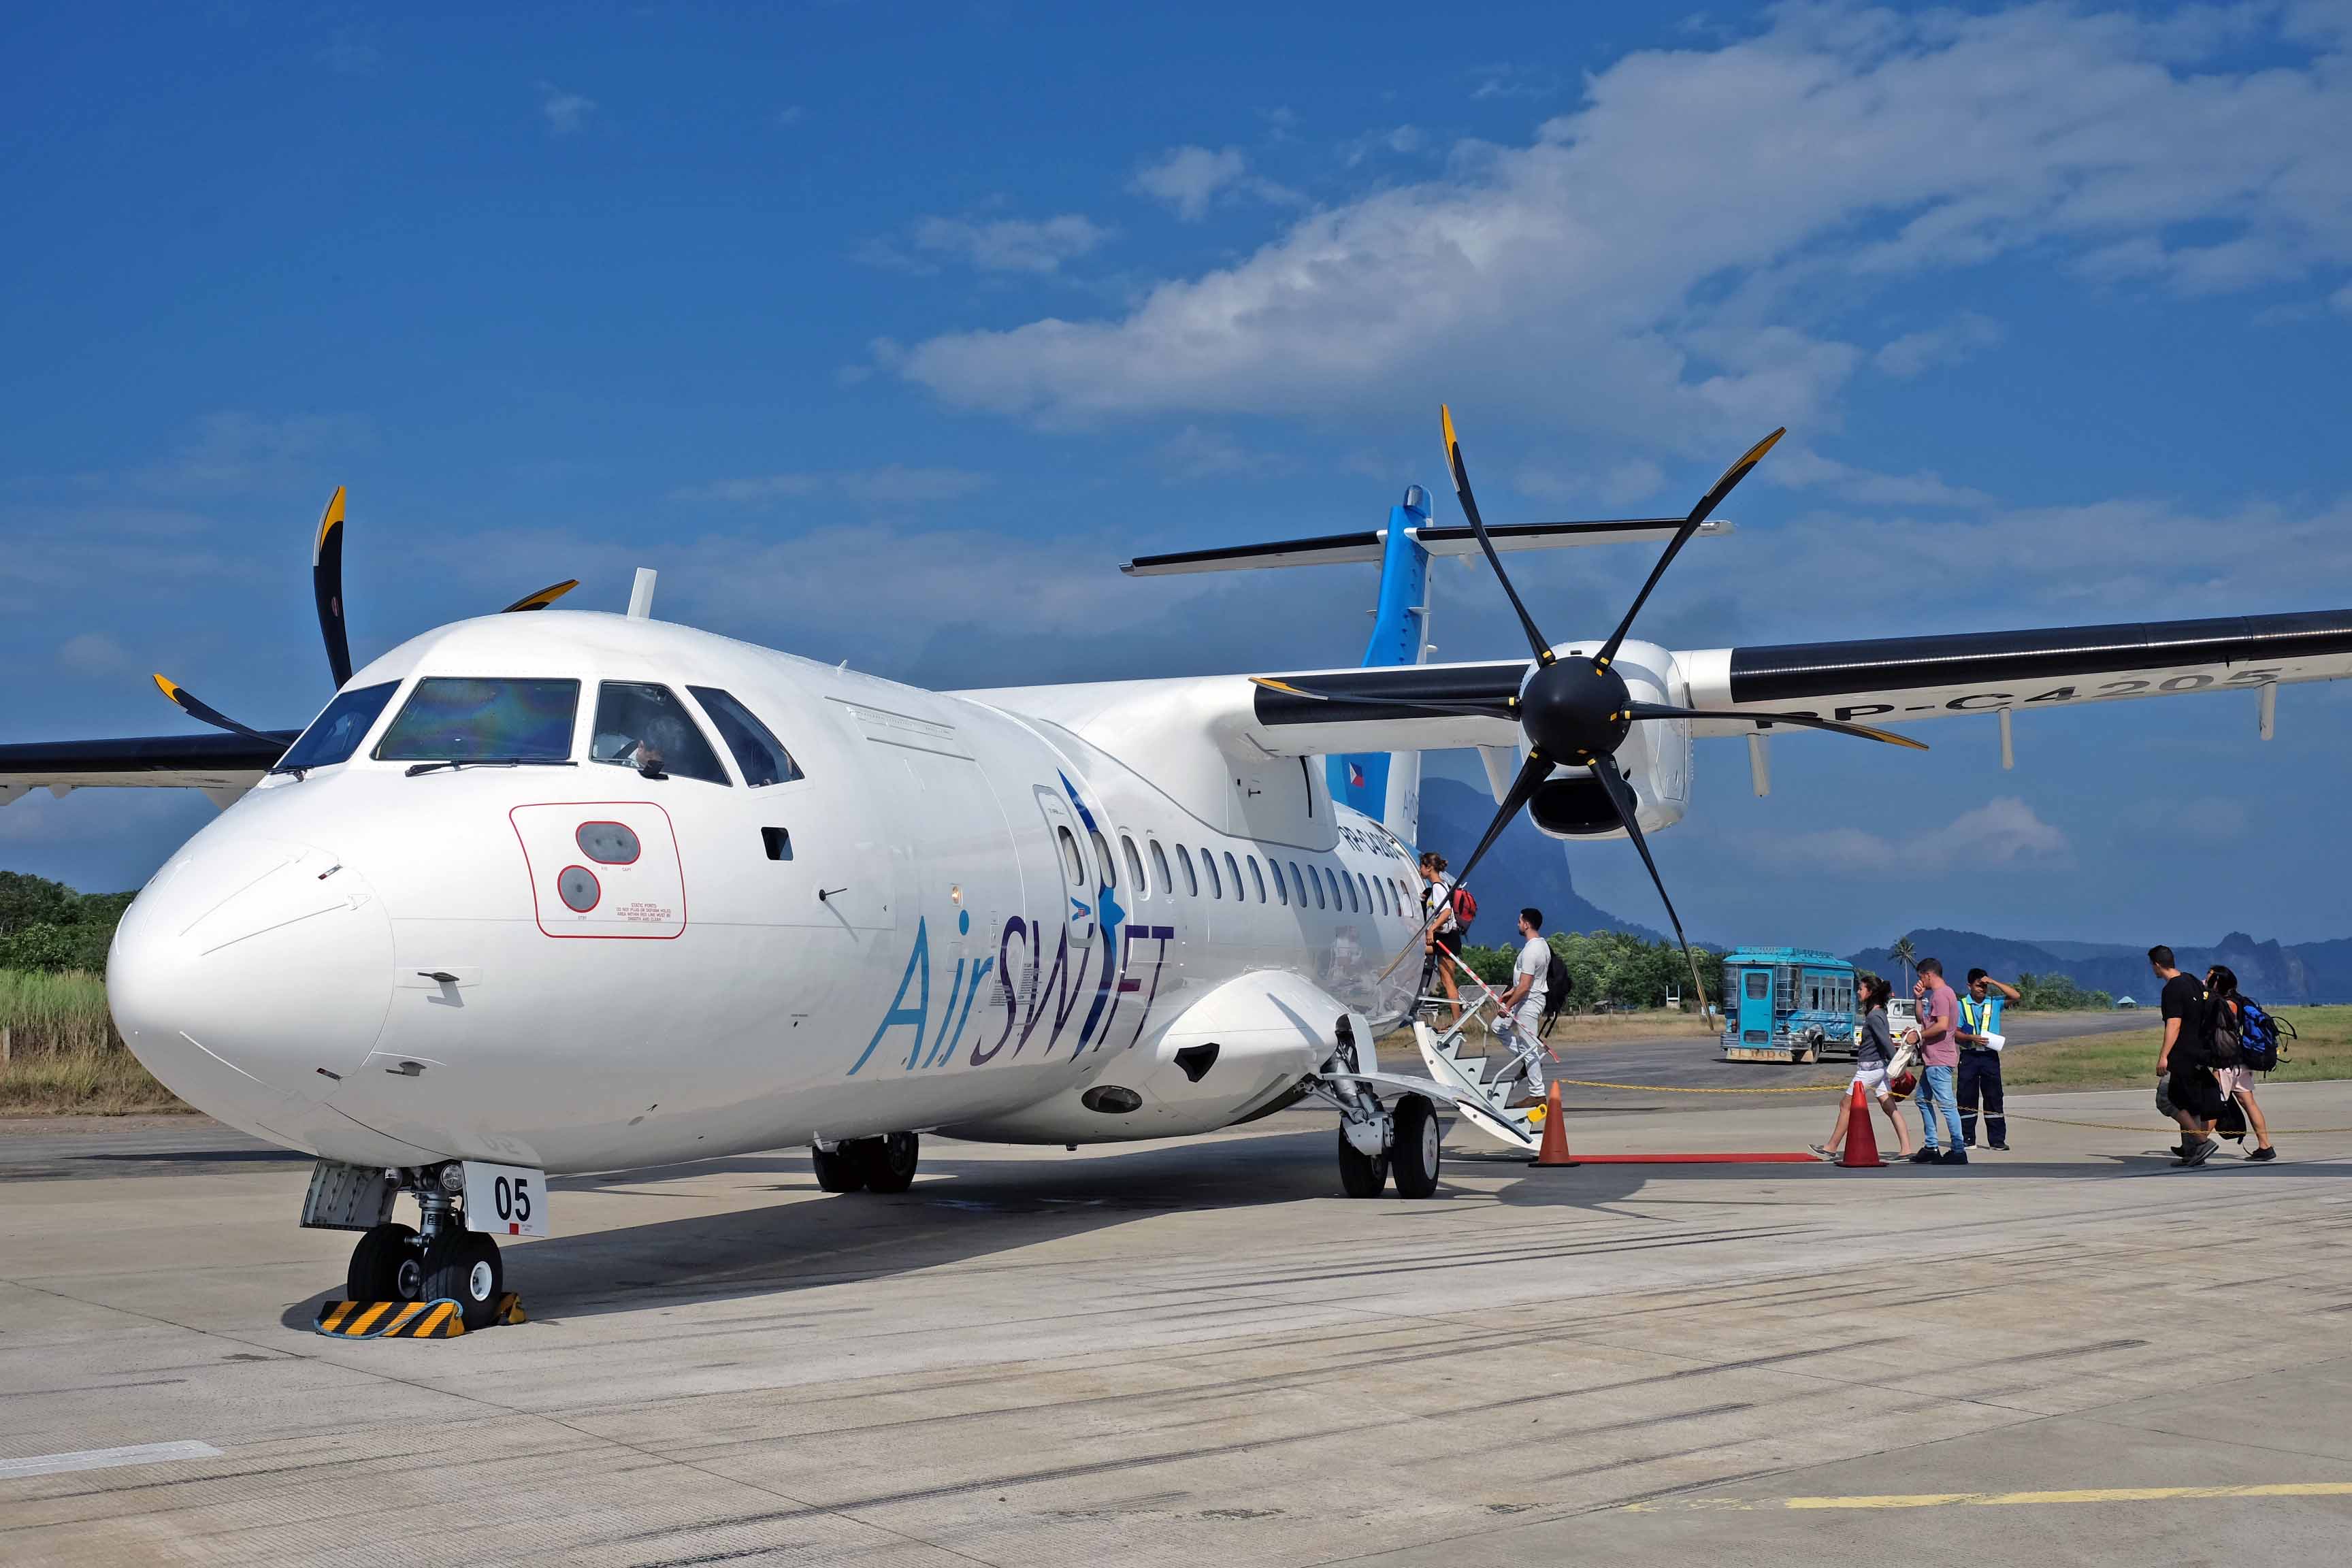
[1465, 908]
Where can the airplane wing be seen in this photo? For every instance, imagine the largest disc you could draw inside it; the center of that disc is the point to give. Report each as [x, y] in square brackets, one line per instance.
[223, 766]
[1898, 679]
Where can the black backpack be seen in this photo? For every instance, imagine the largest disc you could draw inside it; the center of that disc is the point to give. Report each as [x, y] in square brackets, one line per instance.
[1558, 986]
[2224, 1036]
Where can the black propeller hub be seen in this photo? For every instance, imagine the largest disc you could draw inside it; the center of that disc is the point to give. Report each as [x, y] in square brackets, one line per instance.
[1574, 711]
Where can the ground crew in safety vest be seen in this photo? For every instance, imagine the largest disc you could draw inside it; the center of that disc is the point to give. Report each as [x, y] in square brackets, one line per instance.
[1980, 1041]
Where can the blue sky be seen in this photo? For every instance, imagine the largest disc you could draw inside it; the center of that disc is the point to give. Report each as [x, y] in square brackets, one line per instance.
[886, 331]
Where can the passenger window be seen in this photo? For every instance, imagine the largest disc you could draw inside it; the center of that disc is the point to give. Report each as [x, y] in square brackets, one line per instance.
[1191, 883]
[1314, 877]
[1160, 868]
[1134, 868]
[1297, 886]
[1281, 890]
[458, 718]
[1072, 866]
[1102, 858]
[1351, 885]
[1257, 878]
[1208, 868]
[642, 726]
[1759, 984]
[1382, 887]
[759, 755]
[340, 728]
[1233, 873]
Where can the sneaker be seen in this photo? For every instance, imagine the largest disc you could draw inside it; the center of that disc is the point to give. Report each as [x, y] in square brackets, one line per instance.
[2003, 1147]
[1526, 1102]
[1954, 1157]
[1823, 1152]
[2260, 1154]
[1928, 1156]
[2200, 1153]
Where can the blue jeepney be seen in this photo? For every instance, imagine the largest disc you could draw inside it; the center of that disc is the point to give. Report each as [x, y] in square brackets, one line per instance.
[1787, 1005]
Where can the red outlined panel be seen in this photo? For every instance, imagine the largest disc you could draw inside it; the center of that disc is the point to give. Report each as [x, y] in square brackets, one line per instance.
[643, 899]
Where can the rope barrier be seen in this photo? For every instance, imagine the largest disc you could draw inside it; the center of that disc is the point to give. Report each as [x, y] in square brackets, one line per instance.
[1672, 1088]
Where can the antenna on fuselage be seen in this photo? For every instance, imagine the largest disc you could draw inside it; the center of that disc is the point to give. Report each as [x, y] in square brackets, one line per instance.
[641, 594]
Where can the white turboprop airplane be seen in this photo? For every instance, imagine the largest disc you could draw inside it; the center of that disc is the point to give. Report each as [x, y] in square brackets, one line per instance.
[565, 892]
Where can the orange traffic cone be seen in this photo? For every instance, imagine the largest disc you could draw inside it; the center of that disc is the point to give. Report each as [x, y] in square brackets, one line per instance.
[1554, 1150]
[1861, 1150]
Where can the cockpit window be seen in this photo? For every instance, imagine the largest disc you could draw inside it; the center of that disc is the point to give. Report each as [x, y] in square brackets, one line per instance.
[645, 727]
[338, 729]
[759, 755]
[453, 718]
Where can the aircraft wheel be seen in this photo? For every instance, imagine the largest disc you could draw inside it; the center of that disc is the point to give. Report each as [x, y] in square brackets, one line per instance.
[837, 1169]
[1361, 1175]
[1413, 1152]
[887, 1163]
[463, 1266]
[386, 1266]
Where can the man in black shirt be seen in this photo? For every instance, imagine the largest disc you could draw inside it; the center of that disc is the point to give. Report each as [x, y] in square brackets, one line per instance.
[2192, 1090]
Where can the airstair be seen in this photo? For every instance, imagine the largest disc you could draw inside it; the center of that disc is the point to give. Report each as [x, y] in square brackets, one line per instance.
[1458, 1063]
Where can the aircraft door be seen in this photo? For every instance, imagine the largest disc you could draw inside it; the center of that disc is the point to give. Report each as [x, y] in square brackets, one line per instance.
[1756, 1006]
[1082, 880]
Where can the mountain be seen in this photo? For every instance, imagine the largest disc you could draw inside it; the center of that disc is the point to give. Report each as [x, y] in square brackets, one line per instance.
[1523, 868]
[2308, 972]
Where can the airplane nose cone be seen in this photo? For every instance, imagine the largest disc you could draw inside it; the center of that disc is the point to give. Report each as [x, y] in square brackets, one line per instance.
[247, 973]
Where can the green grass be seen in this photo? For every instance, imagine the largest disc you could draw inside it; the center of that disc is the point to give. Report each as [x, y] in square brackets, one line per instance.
[64, 1055]
[2127, 1058]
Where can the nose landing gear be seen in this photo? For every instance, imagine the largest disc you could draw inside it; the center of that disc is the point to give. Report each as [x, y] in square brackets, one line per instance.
[882, 1164]
[443, 1262]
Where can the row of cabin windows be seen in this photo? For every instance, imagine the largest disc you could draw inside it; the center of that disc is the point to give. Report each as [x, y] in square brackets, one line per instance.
[1353, 893]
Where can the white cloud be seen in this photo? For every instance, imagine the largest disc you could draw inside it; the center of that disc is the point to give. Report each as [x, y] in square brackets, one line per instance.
[1833, 145]
[1188, 178]
[1011, 245]
[2003, 831]
[566, 113]
[892, 485]
[234, 449]
[791, 114]
[1952, 343]
[1193, 453]
[1619, 485]
[1799, 468]
[93, 653]
[1402, 141]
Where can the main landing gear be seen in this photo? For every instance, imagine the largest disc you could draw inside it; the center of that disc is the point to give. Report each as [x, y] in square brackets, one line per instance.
[1380, 1142]
[882, 1164]
[442, 1262]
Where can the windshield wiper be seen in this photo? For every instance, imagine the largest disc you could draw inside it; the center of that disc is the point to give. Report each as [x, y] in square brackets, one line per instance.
[455, 762]
[299, 770]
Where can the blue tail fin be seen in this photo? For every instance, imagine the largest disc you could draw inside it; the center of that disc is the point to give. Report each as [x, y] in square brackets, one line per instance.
[1386, 786]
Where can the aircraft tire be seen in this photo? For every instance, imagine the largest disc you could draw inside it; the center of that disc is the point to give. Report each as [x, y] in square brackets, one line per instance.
[463, 1267]
[386, 1266]
[837, 1171]
[1413, 1152]
[889, 1161]
[1360, 1175]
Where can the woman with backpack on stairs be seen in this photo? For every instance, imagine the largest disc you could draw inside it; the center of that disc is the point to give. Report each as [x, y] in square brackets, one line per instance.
[2227, 1058]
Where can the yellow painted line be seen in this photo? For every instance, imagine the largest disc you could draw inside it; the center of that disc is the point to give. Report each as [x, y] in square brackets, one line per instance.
[367, 1320]
[439, 1316]
[2008, 1500]
[334, 1317]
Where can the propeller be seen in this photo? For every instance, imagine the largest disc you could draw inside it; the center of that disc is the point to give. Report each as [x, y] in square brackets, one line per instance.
[1576, 713]
[204, 712]
[327, 589]
[543, 598]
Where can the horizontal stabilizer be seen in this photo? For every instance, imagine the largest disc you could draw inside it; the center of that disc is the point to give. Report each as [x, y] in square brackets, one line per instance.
[1364, 548]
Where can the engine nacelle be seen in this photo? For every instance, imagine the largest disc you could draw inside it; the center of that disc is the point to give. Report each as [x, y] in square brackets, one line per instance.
[1655, 758]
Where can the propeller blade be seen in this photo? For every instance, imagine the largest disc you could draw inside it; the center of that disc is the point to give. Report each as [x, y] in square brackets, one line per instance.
[1707, 505]
[327, 587]
[1804, 720]
[543, 598]
[1470, 509]
[1620, 796]
[205, 714]
[1506, 710]
[1532, 774]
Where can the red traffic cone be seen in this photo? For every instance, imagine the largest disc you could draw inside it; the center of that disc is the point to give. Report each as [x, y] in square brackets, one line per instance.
[1861, 1150]
[1554, 1150]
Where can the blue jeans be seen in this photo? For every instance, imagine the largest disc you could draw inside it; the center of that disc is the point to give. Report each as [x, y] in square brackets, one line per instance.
[1935, 1095]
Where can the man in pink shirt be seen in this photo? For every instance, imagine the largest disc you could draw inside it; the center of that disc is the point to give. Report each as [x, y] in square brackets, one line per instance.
[1939, 1048]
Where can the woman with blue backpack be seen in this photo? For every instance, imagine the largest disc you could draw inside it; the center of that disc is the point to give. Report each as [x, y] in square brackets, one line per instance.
[2228, 1058]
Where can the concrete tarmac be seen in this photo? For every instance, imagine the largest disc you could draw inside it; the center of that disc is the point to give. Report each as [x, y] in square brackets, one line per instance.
[1199, 1353]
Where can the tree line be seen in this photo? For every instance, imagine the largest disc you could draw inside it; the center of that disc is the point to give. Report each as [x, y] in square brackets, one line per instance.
[1611, 966]
[48, 928]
